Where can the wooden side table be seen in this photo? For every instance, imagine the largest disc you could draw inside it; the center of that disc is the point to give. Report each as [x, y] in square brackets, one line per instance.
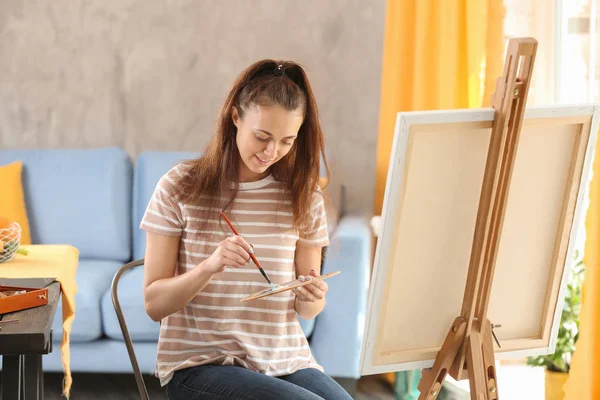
[22, 345]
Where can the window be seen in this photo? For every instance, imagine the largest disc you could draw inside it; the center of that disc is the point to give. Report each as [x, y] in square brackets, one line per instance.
[567, 64]
[566, 69]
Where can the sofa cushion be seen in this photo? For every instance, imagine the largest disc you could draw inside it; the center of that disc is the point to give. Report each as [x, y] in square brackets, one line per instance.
[12, 201]
[80, 197]
[93, 279]
[150, 167]
[131, 299]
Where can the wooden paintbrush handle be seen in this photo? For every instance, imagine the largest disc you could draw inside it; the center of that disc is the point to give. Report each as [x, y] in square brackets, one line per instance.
[256, 263]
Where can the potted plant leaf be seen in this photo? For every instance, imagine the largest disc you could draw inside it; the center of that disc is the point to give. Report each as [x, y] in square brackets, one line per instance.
[558, 365]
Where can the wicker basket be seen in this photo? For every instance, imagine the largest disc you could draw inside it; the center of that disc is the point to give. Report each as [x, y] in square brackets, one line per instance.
[11, 239]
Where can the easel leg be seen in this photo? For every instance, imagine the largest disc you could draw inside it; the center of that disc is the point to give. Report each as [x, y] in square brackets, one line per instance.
[489, 362]
[458, 370]
[480, 364]
[475, 368]
[432, 380]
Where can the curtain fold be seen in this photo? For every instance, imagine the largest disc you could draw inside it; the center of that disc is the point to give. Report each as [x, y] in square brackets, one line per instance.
[584, 378]
[436, 55]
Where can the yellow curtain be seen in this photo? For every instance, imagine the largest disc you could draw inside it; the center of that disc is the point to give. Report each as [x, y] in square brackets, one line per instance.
[584, 377]
[437, 55]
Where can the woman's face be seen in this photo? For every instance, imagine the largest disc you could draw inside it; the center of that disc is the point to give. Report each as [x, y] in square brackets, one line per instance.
[264, 136]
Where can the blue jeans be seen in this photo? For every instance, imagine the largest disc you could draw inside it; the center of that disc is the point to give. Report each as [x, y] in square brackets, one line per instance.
[218, 382]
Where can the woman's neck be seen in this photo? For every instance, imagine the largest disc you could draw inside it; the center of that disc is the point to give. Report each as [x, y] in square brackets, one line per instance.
[246, 175]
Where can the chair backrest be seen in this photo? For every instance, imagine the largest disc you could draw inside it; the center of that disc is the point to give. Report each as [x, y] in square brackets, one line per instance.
[128, 343]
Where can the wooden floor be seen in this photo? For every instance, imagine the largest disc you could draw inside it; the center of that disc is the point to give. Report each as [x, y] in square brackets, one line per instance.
[122, 386]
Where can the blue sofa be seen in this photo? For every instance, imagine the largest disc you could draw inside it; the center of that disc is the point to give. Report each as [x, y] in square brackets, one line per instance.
[94, 200]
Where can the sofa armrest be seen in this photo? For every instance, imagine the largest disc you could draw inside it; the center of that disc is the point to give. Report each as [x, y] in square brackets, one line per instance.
[337, 337]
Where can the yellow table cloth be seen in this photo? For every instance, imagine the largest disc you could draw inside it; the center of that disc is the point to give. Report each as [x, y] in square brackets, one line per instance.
[51, 261]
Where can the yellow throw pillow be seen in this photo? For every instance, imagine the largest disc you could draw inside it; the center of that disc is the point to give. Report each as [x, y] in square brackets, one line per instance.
[12, 199]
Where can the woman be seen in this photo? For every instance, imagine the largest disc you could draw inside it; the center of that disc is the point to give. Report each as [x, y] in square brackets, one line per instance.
[261, 169]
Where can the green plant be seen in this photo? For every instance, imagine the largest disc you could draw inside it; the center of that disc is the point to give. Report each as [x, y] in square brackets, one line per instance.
[568, 332]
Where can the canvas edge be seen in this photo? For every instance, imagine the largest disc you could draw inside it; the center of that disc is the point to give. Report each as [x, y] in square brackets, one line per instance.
[399, 145]
[594, 112]
[448, 116]
[412, 365]
[557, 111]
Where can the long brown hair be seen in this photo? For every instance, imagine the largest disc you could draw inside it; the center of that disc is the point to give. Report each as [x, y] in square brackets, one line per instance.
[266, 82]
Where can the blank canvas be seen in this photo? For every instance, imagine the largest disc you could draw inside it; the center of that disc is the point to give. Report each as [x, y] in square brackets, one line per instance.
[431, 200]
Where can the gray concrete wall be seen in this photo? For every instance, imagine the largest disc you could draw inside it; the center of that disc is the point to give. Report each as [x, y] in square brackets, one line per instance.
[151, 75]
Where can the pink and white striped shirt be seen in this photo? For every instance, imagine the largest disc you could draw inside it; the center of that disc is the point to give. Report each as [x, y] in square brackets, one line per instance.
[263, 335]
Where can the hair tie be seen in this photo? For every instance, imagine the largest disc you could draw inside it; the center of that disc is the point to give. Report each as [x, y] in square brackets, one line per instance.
[280, 70]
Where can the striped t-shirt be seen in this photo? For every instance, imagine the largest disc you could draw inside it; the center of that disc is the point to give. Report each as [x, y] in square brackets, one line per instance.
[262, 335]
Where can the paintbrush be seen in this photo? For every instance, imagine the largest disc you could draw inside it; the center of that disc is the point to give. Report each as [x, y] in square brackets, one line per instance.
[260, 268]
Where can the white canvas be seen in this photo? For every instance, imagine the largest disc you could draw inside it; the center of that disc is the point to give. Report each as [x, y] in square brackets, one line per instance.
[428, 219]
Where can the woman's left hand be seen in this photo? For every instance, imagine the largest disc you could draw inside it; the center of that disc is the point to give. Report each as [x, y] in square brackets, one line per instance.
[313, 291]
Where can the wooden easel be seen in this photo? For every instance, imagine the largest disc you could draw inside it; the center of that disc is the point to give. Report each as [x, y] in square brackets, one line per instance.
[468, 350]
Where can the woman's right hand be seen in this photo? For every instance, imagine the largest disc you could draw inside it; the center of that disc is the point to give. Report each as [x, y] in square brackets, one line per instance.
[231, 252]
